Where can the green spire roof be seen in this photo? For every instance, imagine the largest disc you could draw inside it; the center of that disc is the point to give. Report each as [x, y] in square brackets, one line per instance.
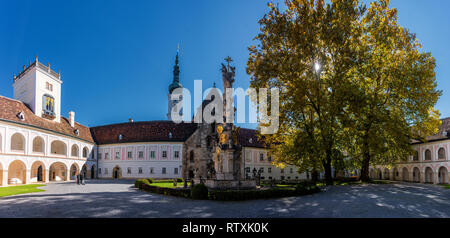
[176, 76]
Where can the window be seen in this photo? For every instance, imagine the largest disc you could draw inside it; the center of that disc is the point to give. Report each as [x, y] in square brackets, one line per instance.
[106, 156]
[99, 155]
[38, 145]
[269, 158]
[49, 86]
[152, 170]
[261, 157]
[141, 154]
[291, 170]
[416, 156]
[261, 169]
[247, 169]
[175, 171]
[85, 152]
[441, 153]
[282, 171]
[270, 178]
[177, 154]
[117, 155]
[106, 170]
[282, 177]
[74, 152]
[128, 170]
[152, 154]
[129, 155]
[163, 170]
[427, 154]
[164, 154]
[99, 170]
[269, 170]
[191, 156]
[48, 105]
[140, 170]
[17, 142]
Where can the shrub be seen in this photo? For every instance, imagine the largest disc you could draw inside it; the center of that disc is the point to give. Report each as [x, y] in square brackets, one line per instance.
[199, 191]
[178, 192]
[138, 183]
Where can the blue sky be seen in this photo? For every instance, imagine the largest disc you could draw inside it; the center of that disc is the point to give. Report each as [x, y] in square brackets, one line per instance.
[116, 57]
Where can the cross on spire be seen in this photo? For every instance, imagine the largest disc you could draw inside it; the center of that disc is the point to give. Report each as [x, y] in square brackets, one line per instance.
[228, 60]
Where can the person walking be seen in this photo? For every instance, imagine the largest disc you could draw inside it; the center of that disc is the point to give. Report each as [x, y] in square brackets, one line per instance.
[78, 179]
[81, 178]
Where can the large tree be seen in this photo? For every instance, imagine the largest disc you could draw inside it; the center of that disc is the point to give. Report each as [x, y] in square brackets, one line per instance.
[352, 82]
[394, 91]
[307, 52]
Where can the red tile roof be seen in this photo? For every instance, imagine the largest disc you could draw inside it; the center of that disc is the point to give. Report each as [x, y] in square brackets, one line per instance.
[10, 108]
[249, 138]
[443, 133]
[148, 131]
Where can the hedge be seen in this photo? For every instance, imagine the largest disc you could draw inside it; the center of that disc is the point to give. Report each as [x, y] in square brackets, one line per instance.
[201, 192]
[177, 192]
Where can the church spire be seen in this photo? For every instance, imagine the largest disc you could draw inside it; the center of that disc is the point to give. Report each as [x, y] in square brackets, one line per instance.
[176, 74]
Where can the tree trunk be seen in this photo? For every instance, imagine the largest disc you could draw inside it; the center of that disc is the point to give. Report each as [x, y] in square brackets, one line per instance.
[365, 169]
[327, 168]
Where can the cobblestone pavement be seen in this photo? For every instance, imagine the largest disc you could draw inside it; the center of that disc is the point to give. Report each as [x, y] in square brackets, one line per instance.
[107, 198]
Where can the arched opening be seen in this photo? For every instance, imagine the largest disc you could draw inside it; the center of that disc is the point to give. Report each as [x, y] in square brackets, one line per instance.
[386, 174]
[117, 172]
[427, 154]
[405, 174]
[58, 172]
[395, 176]
[372, 174]
[416, 175]
[74, 151]
[443, 175]
[58, 148]
[441, 153]
[85, 152]
[84, 171]
[1, 175]
[37, 172]
[379, 174]
[428, 175]
[17, 172]
[18, 142]
[416, 155]
[93, 172]
[38, 145]
[74, 171]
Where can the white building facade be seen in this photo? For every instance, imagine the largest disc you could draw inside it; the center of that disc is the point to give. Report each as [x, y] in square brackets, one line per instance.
[429, 164]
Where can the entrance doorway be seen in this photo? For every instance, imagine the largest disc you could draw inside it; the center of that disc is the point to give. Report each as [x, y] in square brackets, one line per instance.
[117, 173]
[39, 174]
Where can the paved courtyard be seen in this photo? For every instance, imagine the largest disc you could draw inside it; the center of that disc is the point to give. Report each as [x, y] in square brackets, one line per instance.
[106, 198]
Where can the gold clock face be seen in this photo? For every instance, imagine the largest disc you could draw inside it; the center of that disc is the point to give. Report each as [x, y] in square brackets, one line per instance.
[219, 129]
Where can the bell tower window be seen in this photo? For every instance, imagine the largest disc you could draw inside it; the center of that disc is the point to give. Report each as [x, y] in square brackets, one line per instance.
[48, 105]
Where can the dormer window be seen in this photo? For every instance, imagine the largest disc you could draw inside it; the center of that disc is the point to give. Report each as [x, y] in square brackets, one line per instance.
[120, 137]
[21, 116]
[170, 135]
[77, 132]
[48, 104]
[250, 140]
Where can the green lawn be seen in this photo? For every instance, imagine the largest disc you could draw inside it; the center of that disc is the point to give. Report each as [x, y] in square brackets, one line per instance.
[446, 186]
[13, 190]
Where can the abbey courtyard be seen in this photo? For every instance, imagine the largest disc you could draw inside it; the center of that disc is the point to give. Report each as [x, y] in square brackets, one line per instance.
[40, 146]
[346, 113]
